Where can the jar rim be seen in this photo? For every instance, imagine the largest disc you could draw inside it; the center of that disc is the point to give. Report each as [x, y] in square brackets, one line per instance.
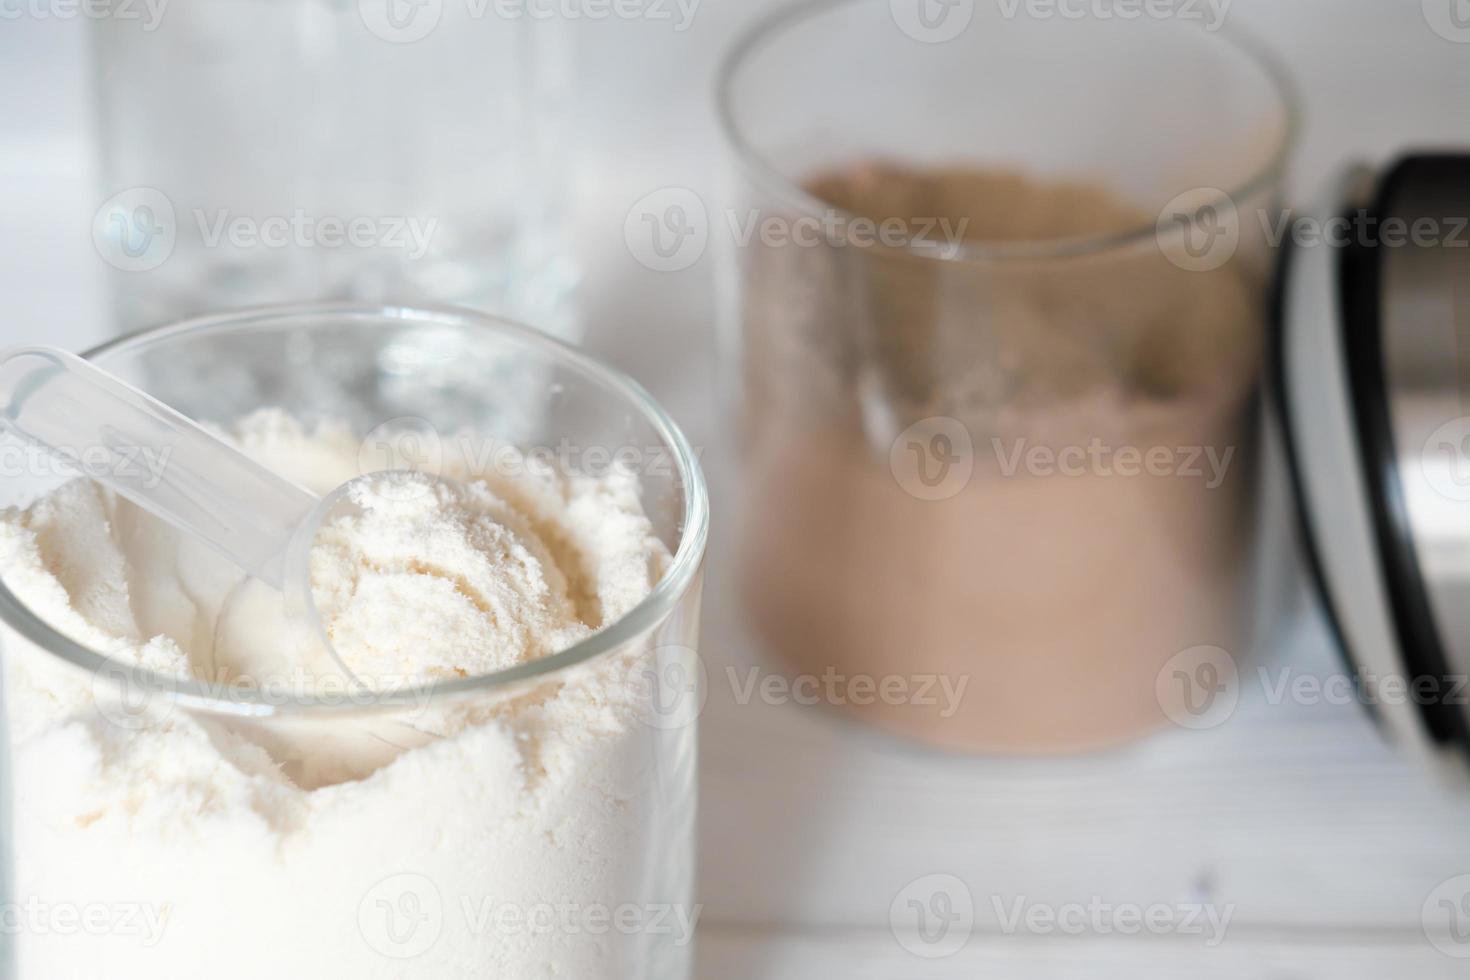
[755, 165]
[644, 617]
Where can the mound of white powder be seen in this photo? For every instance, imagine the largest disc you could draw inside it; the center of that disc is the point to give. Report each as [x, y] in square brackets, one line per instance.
[152, 841]
[434, 581]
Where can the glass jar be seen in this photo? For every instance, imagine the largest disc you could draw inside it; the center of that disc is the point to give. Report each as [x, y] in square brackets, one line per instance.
[380, 151]
[1002, 301]
[532, 821]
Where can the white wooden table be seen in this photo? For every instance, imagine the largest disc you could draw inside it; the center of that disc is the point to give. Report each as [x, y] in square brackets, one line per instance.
[1322, 843]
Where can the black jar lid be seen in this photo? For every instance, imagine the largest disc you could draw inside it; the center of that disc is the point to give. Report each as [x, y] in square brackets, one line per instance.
[1371, 378]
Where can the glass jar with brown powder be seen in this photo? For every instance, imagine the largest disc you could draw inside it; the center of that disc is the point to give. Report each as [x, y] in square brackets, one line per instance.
[1001, 319]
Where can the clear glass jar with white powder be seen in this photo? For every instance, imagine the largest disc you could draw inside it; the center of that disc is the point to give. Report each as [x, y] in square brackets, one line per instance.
[505, 788]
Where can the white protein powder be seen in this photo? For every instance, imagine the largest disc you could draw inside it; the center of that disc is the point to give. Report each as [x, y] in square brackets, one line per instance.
[493, 841]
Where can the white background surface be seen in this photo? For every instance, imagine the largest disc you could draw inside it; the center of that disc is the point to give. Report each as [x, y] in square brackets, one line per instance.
[1324, 844]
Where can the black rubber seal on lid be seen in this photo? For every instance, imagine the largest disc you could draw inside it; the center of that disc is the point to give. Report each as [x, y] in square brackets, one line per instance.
[1420, 645]
[1309, 545]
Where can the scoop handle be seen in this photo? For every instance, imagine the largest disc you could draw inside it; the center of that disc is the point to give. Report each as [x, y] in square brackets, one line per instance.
[150, 454]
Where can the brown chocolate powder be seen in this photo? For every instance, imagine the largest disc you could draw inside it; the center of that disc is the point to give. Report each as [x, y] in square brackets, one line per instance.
[1058, 597]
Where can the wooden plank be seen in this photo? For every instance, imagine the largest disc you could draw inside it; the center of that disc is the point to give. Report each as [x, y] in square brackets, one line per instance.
[1294, 816]
[737, 955]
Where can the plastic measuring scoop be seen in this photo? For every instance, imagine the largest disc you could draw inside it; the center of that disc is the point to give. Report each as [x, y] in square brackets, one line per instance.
[193, 480]
[210, 490]
[201, 485]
